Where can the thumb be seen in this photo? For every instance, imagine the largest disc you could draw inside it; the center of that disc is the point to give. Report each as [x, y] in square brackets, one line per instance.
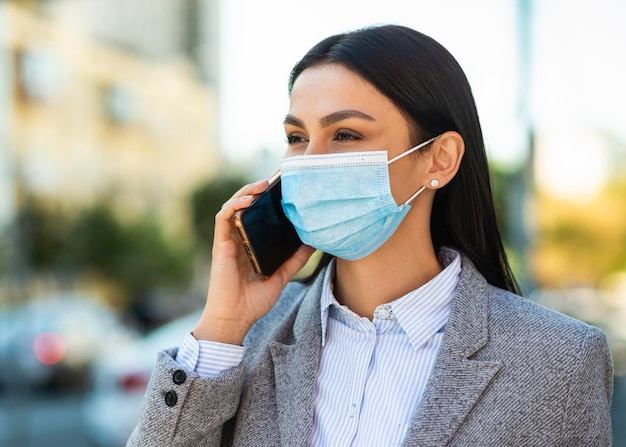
[295, 263]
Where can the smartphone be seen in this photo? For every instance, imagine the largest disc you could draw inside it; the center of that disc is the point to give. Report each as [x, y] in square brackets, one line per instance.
[267, 235]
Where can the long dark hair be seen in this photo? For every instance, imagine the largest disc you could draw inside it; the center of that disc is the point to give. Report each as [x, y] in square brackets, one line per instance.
[427, 84]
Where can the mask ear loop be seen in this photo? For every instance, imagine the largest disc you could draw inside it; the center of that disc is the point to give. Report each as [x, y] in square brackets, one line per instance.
[413, 149]
[413, 197]
[407, 152]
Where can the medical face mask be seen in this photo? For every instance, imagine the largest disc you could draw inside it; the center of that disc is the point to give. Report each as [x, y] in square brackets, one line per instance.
[341, 203]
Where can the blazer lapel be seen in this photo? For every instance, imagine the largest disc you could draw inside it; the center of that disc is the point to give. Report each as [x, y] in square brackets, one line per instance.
[295, 369]
[456, 382]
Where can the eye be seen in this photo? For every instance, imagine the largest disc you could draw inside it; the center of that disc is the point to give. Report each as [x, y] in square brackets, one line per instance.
[295, 138]
[344, 135]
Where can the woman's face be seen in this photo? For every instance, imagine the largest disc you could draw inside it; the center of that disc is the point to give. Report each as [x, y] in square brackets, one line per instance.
[334, 110]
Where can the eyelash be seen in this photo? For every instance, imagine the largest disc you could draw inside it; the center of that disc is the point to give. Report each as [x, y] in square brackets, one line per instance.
[294, 139]
[339, 136]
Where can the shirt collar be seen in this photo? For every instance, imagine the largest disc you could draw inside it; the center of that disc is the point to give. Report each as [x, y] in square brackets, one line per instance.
[421, 313]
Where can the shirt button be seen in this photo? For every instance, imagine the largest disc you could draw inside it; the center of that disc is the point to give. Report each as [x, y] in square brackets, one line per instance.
[170, 398]
[179, 377]
[352, 411]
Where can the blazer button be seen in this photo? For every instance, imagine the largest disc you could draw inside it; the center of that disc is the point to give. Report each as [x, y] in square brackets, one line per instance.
[170, 398]
[179, 377]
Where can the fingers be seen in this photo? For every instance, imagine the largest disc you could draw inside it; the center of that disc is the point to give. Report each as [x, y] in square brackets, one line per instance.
[295, 263]
[250, 189]
[240, 200]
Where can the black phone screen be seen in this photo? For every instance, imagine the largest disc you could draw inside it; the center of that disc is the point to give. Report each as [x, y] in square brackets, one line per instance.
[272, 237]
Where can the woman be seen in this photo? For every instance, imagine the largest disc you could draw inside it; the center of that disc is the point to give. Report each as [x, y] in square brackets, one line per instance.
[411, 332]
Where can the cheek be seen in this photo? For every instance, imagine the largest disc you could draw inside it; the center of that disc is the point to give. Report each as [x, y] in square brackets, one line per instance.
[404, 179]
[290, 153]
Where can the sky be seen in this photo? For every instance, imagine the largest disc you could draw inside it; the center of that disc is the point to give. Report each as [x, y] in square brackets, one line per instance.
[576, 72]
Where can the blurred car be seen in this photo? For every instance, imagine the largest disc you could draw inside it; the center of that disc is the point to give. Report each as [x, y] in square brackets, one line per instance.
[119, 379]
[51, 340]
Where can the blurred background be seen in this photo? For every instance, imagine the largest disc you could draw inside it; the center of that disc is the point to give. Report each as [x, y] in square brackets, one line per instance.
[125, 124]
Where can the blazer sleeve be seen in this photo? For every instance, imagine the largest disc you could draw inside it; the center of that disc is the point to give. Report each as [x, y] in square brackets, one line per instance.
[587, 419]
[181, 409]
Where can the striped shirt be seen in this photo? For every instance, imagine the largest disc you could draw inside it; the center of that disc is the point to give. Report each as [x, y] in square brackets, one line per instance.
[372, 373]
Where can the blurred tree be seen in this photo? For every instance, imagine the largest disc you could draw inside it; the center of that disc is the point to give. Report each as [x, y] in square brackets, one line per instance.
[206, 200]
[147, 258]
[505, 184]
[96, 241]
[500, 184]
[3, 251]
[580, 244]
[42, 233]
[136, 256]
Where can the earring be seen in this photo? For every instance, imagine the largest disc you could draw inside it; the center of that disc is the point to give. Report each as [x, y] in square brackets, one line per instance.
[434, 183]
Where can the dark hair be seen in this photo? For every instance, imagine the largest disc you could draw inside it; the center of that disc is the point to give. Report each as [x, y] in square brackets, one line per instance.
[429, 87]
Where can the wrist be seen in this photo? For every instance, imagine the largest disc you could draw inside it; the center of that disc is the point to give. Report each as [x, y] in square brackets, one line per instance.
[227, 332]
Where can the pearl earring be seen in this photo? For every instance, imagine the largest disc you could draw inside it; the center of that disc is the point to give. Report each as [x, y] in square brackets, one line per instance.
[434, 183]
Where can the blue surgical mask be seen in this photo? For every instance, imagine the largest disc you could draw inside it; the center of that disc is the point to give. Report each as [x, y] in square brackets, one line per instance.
[342, 203]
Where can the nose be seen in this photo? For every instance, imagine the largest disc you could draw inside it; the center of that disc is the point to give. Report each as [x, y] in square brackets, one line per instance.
[317, 147]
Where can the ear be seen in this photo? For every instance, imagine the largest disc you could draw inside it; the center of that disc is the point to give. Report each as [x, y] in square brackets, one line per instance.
[446, 154]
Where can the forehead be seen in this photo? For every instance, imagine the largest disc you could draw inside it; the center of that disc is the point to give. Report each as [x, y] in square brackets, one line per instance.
[327, 88]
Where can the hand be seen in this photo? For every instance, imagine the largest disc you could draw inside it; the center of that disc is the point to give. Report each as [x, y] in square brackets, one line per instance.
[237, 298]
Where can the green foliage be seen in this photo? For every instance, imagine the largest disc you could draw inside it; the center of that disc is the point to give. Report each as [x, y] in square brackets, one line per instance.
[42, 234]
[150, 257]
[206, 201]
[510, 190]
[500, 185]
[96, 241]
[136, 255]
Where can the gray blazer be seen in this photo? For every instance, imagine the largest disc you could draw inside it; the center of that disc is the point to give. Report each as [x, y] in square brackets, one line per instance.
[508, 373]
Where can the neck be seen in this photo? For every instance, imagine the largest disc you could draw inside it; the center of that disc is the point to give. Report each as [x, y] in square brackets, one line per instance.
[391, 272]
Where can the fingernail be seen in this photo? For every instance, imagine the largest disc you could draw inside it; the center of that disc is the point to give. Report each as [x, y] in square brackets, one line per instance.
[246, 197]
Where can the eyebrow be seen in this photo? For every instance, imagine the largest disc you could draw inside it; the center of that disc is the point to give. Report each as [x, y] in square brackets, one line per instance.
[331, 119]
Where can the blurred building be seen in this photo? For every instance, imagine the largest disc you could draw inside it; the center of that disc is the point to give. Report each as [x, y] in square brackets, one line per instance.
[157, 30]
[107, 100]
